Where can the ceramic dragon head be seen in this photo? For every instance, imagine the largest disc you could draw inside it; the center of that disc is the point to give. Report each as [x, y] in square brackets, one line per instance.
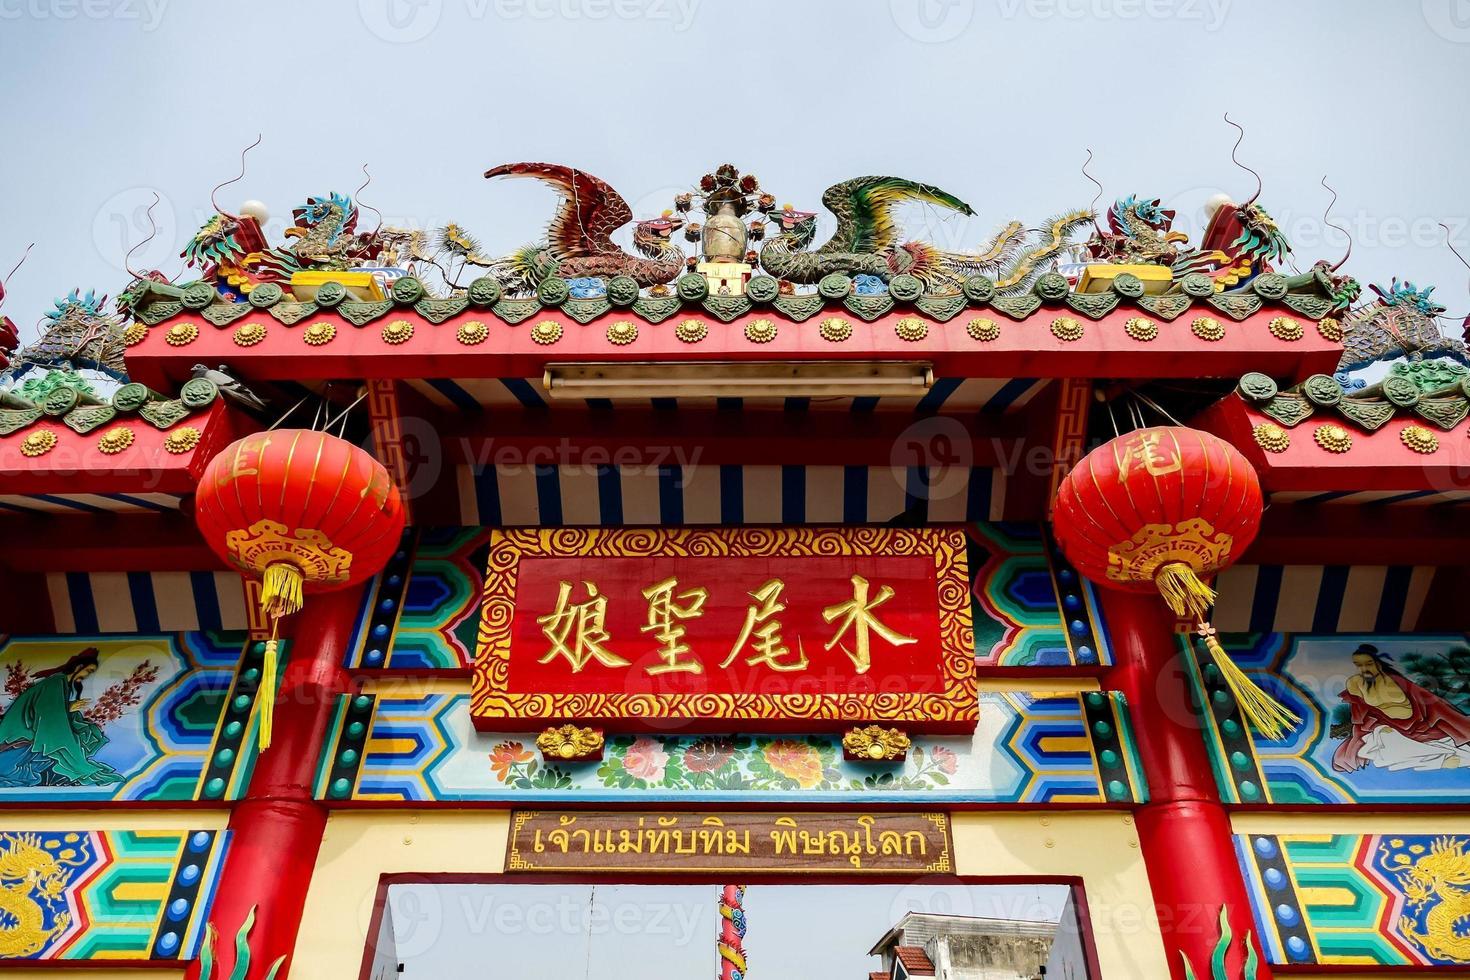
[798, 227]
[651, 236]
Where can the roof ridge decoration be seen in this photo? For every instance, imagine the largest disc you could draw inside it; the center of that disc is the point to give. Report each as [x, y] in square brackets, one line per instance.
[72, 398]
[867, 264]
[1435, 391]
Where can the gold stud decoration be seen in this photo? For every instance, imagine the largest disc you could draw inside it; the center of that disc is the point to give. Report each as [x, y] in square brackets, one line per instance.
[181, 440]
[876, 743]
[760, 331]
[1330, 328]
[1207, 328]
[691, 331]
[38, 443]
[397, 332]
[622, 332]
[133, 336]
[1141, 328]
[1333, 438]
[1285, 328]
[983, 328]
[182, 333]
[319, 333]
[472, 333]
[249, 334]
[115, 440]
[1067, 328]
[1419, 439]
[546, 332]
[1271, 437]
[911, 328]
[569, 742]
[835, 329]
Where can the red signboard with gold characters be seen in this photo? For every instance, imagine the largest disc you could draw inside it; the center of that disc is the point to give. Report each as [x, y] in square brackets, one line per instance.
[771, 629]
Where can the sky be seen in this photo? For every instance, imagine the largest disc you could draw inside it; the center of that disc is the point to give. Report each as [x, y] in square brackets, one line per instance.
[108, 102]
[794, 932]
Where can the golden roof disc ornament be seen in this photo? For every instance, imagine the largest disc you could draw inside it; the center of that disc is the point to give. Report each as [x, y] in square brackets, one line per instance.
[836, 329]
[1333, 438]
[1271, 437]
[546, 332]
[1419, 439]
[472, 333]
[115, 440]
[983, 328]
[38, 443]
[1067, 328]
[247, 335]
[180, 334]
[691, 331]
[1208, 328]
[134, 334]
[320, 332]
[622, 332]
[397, 332]
[181, 440]
[760, 331]
[1330, 328]
[1285, 328]
[1141, 328]
[911, 328]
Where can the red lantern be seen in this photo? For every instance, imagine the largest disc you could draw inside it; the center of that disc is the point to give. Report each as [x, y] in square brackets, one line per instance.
[1163, 509]
[305, 511]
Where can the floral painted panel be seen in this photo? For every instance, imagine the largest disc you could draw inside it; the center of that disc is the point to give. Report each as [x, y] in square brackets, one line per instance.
[1072, 748]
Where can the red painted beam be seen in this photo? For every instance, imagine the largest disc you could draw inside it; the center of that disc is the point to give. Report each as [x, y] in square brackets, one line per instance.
[1023, 349]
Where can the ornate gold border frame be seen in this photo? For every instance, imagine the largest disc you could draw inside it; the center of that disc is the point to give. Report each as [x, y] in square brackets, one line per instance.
[952, 710]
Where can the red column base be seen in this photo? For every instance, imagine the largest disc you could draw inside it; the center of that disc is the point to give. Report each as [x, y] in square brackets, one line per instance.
[1193, 872]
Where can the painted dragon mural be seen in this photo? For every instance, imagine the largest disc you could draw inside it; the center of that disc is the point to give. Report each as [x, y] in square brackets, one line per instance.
[31, 881]
[1439, 881]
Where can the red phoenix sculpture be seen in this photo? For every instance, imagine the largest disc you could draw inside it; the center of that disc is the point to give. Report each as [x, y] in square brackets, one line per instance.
[304, 511]
[1163, 509]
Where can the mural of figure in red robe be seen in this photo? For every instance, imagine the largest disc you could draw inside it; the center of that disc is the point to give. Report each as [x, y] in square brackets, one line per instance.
[1395, 724]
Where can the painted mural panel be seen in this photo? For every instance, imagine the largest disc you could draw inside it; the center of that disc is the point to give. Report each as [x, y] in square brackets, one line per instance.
[1366, 900]
[1061, 748]
[1385, 719]
[125, 717]
[1030, 609]
[106, 895]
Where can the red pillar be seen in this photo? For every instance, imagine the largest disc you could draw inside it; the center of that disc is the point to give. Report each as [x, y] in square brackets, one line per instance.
[277, 828]
[1184, 830]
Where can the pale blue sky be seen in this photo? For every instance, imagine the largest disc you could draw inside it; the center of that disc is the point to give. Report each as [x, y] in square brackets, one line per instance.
[994, 100]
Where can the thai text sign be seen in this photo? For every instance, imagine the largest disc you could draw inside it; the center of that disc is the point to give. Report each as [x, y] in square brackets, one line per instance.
[794, 628]
[883, 842]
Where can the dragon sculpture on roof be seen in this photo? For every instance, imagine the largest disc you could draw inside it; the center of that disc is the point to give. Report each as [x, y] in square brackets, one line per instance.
[77, 335]
[866, 240]
[578, 240]
[1402, 322]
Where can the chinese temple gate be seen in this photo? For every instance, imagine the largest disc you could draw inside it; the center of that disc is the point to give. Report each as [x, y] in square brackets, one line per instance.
[746, 560]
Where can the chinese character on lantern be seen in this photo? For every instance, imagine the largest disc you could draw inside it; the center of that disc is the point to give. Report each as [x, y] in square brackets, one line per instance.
[761, 623]
[577, 631]
[857, 615]
[664, 610]
[1148, 450]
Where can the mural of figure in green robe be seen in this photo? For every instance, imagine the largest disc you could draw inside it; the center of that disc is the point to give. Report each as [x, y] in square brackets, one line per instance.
[45, 739]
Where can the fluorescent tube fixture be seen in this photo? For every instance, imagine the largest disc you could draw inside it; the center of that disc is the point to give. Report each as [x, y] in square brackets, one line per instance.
[739, 379]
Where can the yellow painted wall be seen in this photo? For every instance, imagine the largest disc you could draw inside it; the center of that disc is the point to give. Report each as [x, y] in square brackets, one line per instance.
[359, 847]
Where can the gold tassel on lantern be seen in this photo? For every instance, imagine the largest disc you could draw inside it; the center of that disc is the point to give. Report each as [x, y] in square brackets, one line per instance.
[1187, 595]
[280, 595]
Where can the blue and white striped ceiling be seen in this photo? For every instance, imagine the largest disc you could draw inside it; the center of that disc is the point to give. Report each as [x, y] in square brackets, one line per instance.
[992, 396]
